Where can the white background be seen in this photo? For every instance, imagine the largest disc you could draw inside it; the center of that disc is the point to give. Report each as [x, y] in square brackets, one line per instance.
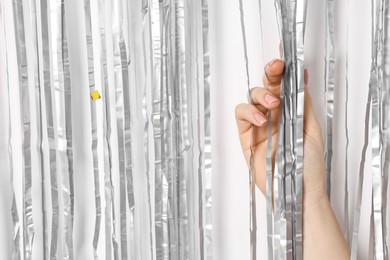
[231, 194]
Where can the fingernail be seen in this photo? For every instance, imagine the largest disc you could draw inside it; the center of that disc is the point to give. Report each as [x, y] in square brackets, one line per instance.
[260, 119]
[270, 99]
[272, 62]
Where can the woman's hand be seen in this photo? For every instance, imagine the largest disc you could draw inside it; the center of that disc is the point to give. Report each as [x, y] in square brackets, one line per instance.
[322, 236]
[252, 120]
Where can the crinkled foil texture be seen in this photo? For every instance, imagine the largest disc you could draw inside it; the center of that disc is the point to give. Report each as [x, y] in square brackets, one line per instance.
[141, 169]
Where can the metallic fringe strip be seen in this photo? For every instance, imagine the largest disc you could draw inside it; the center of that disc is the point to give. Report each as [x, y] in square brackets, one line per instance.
[377, 136]
[385, 125]
[346, 188]
[252, 172]
[120, 121]
[14, 210]
[359, 193]
[28, 225]
[329, 90]
[206, 184]
[269, 166]
[157, 117]
[91, 79]
[290, 151]
[111, 241]
[146, 110]
[50, 124]
[166, 132]
[61, 81]
[68, 186]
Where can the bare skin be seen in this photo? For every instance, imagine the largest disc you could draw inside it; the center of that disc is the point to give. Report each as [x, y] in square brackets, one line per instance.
[322, 236]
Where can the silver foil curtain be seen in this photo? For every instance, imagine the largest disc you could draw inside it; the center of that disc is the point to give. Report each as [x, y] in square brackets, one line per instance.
[105, 129]
[284, 185]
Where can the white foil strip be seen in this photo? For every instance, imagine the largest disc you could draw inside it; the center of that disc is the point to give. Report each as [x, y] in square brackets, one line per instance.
[346, 188]
[50, 124]
[269, 165]
[145, 104]
[28, 225]
[166, 121]
[111, 240]
[68, 186]
[91, 80]
[359, 192]
[252, 172]
[329, 90]
[61, 81]
[119, 99]
[206, 185]
[8, 159]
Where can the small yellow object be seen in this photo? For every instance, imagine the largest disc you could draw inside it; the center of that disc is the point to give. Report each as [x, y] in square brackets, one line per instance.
[95, 95]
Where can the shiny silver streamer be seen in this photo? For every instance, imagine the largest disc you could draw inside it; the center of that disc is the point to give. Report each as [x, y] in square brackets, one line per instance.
[378, 90]
[35, 13]
[359, 192]
[252, 172]
[206, 184]
[290, 149]
[28, 225]
[111, 240]
[329, 90]
[346, 188]
[145, 104]
[120, 71]
[91, 79]
[385, 124]
[61, 84]
[68, 186]
[164, 240]
[269, 173]
[161, 86]
[46, 83]
[8, 158]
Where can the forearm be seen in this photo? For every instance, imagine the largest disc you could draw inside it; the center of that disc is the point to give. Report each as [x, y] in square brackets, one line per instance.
[322, 237]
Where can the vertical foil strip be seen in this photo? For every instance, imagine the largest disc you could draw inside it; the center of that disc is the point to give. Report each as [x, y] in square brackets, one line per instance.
[8, 158]
[377, 136]
[91, 80]
[206, 184]
[28, 225]
[359, 191]
[111, 243]
[163, 185]
[157, 117]
[50, 124]
[386, 125]
[346, 187]
[67, 179]
[61, 82]
[269, 165]
[145, 111]
[38, 79]
[290, 149]
[252, 172]
[329, 89]
[120, 71]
